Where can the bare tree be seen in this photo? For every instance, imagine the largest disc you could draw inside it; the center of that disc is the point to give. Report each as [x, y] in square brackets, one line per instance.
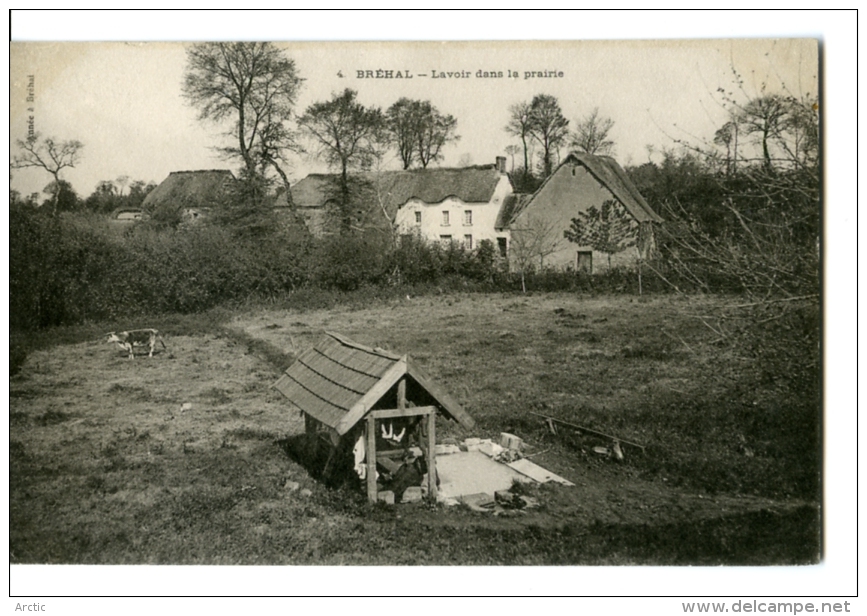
[434, 131]
[532, 238]
[122, 182]
[727, 136]
[548, 127]
[591, 134]
[348, 136]
[49, 154]
[255, 86]
[511, 150]
[763, 116]
[401, 121]
[519, 126]
[419, 131]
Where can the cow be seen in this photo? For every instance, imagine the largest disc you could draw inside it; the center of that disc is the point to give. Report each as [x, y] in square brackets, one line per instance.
[137, 337]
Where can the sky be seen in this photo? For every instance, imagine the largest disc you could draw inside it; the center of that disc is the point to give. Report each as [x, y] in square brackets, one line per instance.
[125, 106]
[123, 100]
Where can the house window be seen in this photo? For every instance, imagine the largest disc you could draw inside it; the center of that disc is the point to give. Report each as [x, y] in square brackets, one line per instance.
[502, 245]
[445, 218]
[468, 217]
[418, 218]
[446, 239]
[468, 242]
[584, 261]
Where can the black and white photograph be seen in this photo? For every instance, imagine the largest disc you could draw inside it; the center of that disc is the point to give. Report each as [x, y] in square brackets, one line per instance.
[496, 303]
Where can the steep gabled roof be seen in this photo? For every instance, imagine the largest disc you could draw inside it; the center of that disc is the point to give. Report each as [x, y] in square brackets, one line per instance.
[338, 381]
[469, 184]
[610, 174]
[198, 189]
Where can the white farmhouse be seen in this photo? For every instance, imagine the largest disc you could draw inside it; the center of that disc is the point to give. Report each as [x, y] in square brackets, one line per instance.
[444, 204]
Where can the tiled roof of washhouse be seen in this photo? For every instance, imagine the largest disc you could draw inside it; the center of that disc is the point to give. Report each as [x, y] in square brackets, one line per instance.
[338, 381]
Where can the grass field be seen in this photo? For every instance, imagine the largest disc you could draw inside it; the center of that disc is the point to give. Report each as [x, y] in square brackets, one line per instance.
[181, 459]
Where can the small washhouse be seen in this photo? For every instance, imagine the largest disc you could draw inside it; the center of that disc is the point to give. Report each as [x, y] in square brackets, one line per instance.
[372, 404]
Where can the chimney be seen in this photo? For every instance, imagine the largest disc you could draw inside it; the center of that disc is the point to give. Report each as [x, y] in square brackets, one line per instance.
[501, 164]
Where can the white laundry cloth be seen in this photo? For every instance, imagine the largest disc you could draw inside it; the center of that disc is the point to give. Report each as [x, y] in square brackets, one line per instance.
[358, 452]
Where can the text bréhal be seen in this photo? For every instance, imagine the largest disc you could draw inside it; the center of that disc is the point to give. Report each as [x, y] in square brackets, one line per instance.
[381, 73]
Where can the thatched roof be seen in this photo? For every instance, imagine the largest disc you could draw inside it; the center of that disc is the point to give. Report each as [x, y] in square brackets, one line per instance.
[469, 184]
[607, 172]
[338, 381]
[191, 189]
[512, 206]
[611, 175]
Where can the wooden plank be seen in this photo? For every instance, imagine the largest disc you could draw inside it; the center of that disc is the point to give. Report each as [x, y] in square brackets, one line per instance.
[372, 365]
[331, 370]
[588, 430]
[372, 396]
[333, 393]
[391, 453]
[449, 404]
[536, 472]
[371, 459]
[321, 409]
[367, 349]
[432, 457]
[414, 411]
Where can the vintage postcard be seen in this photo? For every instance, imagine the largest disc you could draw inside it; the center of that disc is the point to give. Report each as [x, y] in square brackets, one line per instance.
[416, 303]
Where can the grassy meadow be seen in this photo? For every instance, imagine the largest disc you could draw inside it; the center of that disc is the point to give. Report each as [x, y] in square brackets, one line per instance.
[183, 458]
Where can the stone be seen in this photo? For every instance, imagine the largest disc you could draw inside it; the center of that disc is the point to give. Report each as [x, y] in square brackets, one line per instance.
[292, 486]
[510, 441]
[306, 492]
[412, 494]
[479, 502]
[386, 496]
[506, 498]
[528, 502]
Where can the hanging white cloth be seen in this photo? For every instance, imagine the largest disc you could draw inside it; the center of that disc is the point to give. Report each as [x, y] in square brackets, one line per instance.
[358, 452]
[390, 436]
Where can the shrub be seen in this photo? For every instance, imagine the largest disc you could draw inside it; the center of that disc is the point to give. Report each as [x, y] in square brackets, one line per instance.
[347, 262]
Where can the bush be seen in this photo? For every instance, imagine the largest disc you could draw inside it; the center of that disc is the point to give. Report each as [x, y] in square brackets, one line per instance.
[73, 269]
[56, 266]
[349, 262]
[418, 261]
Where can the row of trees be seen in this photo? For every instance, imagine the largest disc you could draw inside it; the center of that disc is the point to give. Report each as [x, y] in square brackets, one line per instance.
[541, 122]
[107, 197]
[251, 89]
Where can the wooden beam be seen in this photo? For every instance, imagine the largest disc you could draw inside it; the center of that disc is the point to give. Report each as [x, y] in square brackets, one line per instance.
[391, 453]
[451, 406]
[371, 458]
[408, 412]
[432, 457]
[360, 408]
[549, 419]
[401, 393]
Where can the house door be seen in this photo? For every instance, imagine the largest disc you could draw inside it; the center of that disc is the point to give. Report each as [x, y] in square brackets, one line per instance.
[584, 261]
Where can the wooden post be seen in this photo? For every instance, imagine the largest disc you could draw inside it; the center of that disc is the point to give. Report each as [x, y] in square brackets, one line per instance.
[432, 456]
[371, 458]
[401, 394]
